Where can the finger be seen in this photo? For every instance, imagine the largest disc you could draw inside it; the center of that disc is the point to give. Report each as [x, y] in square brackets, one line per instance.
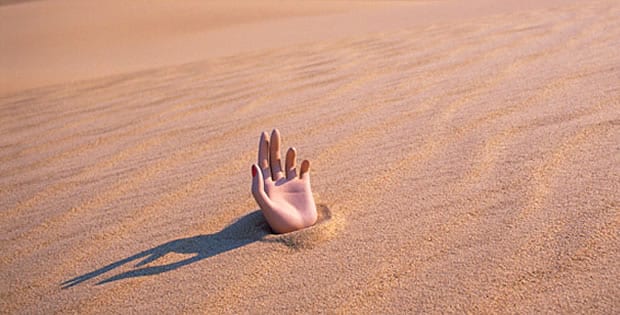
[263, 151]
[304, 169]
[263, 154]
[274, 156]
[258, 188]
[291, 155]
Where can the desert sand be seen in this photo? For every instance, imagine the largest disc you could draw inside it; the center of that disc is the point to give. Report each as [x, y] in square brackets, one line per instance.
[466, 156]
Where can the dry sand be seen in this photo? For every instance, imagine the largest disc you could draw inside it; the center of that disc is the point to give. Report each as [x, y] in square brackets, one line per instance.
[469, 155]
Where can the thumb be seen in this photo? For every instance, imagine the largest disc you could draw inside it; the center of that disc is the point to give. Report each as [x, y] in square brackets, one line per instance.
[258, 187]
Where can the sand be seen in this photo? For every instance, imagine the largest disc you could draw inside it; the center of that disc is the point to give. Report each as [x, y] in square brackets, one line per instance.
[466, 157]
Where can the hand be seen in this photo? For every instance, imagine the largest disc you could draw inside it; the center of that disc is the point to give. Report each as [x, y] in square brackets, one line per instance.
[285, 198]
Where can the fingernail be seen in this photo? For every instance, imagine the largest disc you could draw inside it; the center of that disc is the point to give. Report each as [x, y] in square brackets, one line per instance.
[253, 171]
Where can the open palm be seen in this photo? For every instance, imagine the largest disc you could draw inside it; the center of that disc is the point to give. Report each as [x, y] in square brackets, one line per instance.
[284, 197]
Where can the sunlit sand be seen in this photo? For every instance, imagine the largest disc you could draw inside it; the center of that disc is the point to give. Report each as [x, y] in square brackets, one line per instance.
[465, 157]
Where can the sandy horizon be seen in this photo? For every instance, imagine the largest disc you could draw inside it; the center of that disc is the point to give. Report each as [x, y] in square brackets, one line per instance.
[466, 157]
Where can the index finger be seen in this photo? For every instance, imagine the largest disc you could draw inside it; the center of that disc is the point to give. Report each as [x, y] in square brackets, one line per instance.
[263, 153]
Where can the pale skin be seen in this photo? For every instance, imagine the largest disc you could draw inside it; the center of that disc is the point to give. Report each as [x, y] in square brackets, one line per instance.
[283, 194]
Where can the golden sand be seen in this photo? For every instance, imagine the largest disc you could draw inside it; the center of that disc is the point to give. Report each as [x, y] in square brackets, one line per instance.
[467, 160]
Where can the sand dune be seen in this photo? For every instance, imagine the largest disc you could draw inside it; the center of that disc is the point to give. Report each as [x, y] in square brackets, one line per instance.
[468, 165]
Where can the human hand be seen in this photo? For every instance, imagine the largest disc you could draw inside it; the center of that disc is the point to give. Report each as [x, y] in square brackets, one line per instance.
[285, 198]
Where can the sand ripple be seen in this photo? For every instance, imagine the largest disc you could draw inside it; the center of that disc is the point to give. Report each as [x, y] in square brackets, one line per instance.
[475, 163]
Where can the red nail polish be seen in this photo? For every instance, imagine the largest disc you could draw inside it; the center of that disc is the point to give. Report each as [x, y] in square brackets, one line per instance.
[253, 171]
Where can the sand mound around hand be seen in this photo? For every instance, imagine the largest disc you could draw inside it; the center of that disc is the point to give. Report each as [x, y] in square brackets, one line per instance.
[254, 227]
[325, 228]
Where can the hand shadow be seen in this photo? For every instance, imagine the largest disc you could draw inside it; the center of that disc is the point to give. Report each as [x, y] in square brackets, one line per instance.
[246, 230]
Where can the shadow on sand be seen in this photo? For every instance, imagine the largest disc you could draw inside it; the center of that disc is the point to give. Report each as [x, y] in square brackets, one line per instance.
[246, 230]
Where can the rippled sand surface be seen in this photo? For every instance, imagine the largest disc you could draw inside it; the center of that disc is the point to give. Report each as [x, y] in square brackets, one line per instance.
[464, 166]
